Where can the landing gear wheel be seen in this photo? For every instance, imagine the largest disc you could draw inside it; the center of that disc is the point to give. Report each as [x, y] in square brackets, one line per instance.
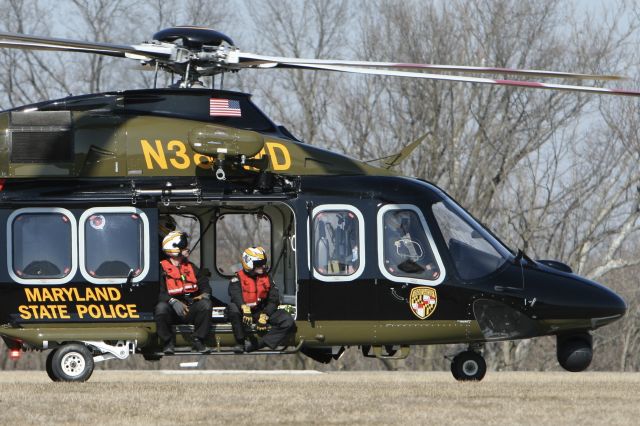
[71, 363]
[468, 366]
[453, 371]
[48, 365]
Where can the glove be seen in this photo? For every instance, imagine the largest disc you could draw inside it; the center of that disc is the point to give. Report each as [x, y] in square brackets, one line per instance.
[181, 309]
[262, 322]
[247, 319]
[201, 296]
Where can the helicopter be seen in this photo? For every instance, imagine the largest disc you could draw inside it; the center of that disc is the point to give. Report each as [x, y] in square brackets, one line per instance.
[361, 255]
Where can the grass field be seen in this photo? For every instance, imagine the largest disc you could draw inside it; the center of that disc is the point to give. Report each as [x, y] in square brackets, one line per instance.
[433, 398]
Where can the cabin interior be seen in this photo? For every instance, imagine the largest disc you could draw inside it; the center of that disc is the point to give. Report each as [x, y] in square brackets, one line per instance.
[219, 232]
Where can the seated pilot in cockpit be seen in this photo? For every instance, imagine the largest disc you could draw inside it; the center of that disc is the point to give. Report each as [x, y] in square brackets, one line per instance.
[406, 249]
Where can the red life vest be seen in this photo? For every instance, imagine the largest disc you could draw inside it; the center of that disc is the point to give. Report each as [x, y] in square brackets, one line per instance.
[254, 289]
[180, 279]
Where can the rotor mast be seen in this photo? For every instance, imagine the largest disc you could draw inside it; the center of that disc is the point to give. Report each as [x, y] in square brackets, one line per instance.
[198, 52]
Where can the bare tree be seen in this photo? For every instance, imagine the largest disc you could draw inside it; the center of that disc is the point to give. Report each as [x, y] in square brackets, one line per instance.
[540, 168]
[300, 99]
[553, 173]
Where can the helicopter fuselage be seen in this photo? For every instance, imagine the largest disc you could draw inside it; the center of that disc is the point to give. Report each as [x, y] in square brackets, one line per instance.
[360, 256]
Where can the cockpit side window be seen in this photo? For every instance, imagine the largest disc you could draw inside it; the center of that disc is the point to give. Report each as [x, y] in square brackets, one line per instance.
[114, 243]
[473, 250]
[338, 243]
[407, 248]
[42, 246]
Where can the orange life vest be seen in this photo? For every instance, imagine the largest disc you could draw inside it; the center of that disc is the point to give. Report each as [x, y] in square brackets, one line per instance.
[254, 289]
[180, 279]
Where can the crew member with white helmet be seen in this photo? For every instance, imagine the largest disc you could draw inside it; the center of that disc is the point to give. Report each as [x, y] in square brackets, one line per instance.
[185, 295]
[254, 300]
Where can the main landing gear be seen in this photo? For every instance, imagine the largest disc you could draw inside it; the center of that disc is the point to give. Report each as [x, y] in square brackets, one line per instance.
[468, 365]
[72, 362]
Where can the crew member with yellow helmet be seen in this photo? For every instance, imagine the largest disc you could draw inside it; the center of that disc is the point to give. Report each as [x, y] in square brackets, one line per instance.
[254, 300]
[185, 295]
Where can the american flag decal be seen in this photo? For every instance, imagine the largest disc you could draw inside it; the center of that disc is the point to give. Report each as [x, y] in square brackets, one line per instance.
[224, 108]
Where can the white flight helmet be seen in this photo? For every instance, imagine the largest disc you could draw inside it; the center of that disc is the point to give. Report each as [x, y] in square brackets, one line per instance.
[253, 257]
[174, 243]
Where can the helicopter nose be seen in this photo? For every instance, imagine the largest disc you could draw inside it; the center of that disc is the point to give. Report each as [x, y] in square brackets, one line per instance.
[595, 301]
[569, 296]
[608, 308]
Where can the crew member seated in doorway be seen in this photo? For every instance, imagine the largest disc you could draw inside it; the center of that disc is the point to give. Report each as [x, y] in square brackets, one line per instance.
[254, 300]
[185, 295]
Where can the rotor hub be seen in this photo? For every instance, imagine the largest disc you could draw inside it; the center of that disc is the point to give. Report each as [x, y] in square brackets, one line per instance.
[193, 37]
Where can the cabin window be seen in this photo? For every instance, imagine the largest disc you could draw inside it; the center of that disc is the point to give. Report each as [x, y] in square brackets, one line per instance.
[474, 251]
[42, 246]
[114, 244]
[406, 249]
[234, 233]
[338, 242]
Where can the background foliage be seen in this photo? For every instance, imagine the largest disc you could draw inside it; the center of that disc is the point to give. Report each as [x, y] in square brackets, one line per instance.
[555, 174]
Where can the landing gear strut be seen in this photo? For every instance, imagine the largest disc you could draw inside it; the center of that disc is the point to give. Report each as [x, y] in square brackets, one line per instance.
[468, 366]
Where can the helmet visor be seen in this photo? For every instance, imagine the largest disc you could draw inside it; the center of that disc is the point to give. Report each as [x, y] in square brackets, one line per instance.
[259, 263]
[181, 243]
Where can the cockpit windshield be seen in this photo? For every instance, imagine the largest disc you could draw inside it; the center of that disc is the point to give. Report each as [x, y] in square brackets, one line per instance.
[475, 252]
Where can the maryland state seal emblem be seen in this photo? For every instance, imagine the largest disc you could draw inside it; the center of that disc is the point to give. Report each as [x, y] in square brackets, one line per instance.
[423, 301]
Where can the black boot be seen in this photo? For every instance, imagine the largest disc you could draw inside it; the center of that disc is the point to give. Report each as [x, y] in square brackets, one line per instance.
[239, 347]
[168, 348]
[253, 344]
[198, 346]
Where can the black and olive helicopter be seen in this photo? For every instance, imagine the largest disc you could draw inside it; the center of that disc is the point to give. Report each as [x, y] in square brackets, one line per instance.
[362, 256]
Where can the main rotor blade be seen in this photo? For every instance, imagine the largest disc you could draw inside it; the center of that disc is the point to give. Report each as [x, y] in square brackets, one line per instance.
[479, 80]
[37, 46]
[21, 41]
[251, 59]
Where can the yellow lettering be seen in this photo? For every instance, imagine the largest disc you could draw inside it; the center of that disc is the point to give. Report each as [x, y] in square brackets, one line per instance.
[101, 293]
[24, 312]
[121, 311]
[46, 295]
[133, 312]
[114, 293]
[33, 294]
[82, 310]
[202, 161]
[77, 297]
[68, 292]
[89, 295]
[94, 311]
[275, 161]
[58, 295]
[105, 314]
[256, 157]
[157, 155]
[63, 312]
[181, 152]
[44, 313]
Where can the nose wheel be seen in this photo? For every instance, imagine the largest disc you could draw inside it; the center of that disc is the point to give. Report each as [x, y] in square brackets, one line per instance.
[468, 366]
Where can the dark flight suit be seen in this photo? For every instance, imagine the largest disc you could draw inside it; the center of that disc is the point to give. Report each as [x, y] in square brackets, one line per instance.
[280, 320]
[199, 312]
